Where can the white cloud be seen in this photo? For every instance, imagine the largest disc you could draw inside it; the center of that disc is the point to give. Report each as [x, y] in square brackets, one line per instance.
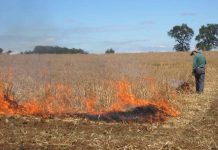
[50, 39]
[148, 22]
[112, 28]
[162, 46]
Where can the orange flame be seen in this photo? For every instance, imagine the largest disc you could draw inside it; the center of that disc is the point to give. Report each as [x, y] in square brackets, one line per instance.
[90, 104]
[125, 100]
[52, 103]
[58, 98]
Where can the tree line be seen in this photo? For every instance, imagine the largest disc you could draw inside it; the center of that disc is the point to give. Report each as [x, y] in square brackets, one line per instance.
[207, 37]
[6, 52]
[55, 50]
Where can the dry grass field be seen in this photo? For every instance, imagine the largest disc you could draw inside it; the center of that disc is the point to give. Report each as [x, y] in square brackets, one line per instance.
[117, 101]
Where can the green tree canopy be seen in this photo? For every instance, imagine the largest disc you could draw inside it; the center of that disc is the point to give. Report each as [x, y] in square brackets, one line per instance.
[55, 50]
[208, 37]
[109, 51]
[1, 50]
[9, 52]
[182, 35]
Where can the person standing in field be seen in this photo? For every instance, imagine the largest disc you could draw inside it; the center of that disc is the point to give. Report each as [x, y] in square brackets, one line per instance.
[199, 62]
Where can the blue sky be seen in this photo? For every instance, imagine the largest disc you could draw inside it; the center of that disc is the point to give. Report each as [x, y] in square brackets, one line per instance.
[95, 25]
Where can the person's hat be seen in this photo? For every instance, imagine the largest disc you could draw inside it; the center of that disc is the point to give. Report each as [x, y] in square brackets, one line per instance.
[193, 52]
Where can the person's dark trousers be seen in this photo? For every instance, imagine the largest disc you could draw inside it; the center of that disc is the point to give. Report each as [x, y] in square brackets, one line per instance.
[199, 79]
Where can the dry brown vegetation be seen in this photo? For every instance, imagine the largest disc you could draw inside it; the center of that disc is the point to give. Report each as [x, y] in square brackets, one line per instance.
[94, 75]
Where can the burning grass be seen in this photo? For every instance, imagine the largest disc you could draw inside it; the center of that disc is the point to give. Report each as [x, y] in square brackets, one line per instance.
[58, 100]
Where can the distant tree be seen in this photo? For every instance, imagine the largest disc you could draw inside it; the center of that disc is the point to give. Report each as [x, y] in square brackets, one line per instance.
[208, 37]
[110, 51]
[1, 50]
[182, 35]
[9, 52]
[55, 50]
[27, 52]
